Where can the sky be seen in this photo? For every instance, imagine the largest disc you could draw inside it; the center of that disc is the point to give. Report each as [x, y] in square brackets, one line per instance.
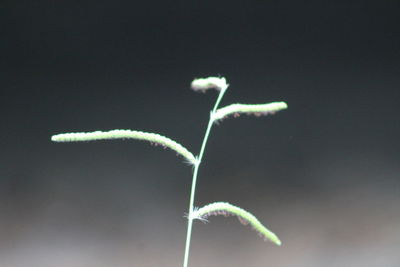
[323, 174]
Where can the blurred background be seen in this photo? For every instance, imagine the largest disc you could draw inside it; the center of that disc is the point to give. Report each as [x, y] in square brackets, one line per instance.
[323, 175]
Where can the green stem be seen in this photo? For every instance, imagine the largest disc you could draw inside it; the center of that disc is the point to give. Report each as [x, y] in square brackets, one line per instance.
[194, 179]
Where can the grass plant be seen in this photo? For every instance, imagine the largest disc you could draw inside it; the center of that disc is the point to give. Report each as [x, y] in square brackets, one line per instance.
[217, 114]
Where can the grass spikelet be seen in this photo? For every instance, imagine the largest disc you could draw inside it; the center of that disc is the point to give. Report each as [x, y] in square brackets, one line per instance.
[257, 110]
[127, 134]
[203, 84]
[245, 217]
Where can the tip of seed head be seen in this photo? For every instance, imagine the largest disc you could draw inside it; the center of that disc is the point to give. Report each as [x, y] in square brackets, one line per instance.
[203, 84]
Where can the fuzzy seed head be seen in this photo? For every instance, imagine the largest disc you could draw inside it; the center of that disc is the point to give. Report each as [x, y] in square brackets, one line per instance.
[203, 84]
[245, 217]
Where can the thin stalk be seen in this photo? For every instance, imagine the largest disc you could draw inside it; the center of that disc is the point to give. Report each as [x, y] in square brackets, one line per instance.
[194, 178]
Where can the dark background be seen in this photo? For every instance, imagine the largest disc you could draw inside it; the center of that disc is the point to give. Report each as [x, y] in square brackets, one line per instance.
[323, 175]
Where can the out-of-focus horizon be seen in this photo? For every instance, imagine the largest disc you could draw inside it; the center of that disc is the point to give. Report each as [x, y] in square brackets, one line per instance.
[323, 174]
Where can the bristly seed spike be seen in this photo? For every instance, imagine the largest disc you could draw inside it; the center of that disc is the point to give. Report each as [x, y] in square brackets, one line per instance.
[154, 139]
[257, 110]
[245, 217]
[203, 84]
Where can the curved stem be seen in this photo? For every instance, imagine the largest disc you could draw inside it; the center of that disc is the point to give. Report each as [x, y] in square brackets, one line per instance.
[194, 179]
